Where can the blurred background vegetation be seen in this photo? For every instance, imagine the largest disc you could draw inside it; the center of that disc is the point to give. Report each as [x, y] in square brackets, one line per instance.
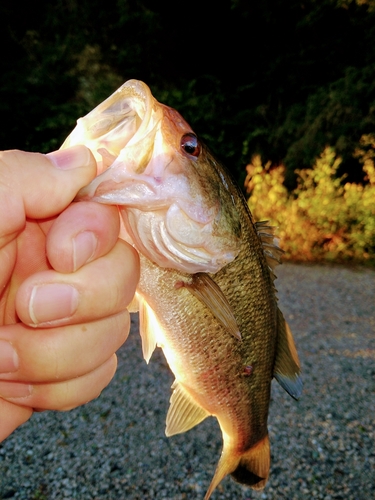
[284, 87]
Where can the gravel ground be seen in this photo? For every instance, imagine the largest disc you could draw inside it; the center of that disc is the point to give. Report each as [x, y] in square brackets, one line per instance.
[322, 446]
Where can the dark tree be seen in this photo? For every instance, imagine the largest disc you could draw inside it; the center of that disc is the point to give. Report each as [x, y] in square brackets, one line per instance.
[278, 78]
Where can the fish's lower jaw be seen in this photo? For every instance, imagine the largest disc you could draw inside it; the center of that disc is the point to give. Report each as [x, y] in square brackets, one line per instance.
[251, 468]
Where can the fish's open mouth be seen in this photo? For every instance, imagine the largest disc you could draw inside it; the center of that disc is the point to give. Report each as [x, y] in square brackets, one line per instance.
[172, 213]
[122, 121]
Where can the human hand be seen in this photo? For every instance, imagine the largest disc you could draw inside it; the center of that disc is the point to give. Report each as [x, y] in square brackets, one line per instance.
[65, 282]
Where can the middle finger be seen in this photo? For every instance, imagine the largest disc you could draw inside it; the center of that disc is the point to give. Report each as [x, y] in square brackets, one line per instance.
[101, 288]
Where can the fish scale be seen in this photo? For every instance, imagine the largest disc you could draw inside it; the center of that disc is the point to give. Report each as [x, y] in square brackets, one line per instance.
[210, 305]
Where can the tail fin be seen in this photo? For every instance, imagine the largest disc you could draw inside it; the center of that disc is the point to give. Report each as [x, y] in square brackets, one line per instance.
[251, 468]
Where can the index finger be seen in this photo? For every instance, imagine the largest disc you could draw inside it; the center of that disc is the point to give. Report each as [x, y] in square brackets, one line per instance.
[81, 233]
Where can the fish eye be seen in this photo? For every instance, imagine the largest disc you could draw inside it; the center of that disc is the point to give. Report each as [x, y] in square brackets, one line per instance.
[190, 145]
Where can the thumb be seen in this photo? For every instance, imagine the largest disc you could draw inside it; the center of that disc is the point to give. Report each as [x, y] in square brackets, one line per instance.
[45, 183]
[40, 186]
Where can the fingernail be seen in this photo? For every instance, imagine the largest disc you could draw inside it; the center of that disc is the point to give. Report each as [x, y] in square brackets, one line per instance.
[74, 157]
[15, 389]
[8, 357]
[84, 246]
[52, 302]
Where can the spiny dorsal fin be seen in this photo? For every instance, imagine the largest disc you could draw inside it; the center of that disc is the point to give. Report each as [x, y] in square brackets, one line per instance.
[271, 249]
[184, 413]
[204, 288]
[287, 365]
[149, 329]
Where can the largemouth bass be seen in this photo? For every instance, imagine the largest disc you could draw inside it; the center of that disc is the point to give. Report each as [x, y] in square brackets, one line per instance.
[206, 294]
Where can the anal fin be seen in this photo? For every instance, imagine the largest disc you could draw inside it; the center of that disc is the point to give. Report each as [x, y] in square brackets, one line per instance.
[184, 413]
[287, 366]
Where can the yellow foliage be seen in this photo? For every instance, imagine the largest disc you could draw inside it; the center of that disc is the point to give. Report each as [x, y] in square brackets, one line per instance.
[324, 218]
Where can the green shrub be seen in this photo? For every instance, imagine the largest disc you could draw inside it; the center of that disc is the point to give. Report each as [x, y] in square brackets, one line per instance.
[324, 218]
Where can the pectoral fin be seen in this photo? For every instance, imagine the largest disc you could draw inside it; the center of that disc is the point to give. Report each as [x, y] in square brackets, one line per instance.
[210, 294]
[287, 365]
[184, 413]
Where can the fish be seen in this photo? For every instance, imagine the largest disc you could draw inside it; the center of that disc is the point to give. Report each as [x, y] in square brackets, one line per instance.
[206, 294]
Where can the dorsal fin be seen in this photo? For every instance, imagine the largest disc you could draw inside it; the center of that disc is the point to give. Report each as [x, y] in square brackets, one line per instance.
[271, 249]
[287, 366]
